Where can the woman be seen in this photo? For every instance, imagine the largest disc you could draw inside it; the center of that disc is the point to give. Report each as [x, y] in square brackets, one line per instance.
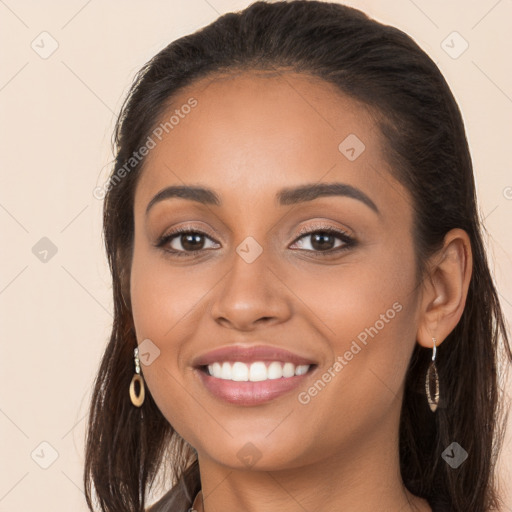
[304, 313]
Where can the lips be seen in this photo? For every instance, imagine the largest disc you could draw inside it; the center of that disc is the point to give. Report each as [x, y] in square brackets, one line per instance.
[246, 391]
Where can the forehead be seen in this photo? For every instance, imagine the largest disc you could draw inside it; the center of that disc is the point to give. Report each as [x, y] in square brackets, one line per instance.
[257, 132]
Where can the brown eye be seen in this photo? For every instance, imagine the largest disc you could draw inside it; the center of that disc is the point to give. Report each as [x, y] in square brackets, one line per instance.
[191, 242]
[183, 241]
[324, 240]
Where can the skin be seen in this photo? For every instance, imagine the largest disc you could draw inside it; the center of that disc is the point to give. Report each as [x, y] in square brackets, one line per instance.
[251, 135]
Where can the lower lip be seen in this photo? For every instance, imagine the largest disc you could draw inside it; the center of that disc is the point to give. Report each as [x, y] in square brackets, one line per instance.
[251, 393]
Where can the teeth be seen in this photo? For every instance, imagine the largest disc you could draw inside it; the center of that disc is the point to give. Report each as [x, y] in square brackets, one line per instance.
[225, 373]
[256, 371]
[288, 370]
[301, 369]
[274, 370]
[216, 369]
[239, 372]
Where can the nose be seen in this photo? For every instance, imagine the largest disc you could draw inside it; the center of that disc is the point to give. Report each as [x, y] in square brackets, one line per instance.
[251, 294]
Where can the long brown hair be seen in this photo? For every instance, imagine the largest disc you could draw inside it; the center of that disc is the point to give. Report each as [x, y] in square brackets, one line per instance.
[416, 112]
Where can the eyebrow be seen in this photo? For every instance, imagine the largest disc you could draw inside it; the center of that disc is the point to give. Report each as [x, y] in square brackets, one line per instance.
[286, 196]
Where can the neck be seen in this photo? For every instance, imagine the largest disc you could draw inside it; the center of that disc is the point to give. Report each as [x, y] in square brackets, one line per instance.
[364, 477]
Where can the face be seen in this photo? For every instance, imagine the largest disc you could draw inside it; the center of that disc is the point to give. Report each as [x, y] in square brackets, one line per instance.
[327, 275]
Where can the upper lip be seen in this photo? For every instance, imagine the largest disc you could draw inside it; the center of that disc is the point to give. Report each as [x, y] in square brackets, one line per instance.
[249, 354]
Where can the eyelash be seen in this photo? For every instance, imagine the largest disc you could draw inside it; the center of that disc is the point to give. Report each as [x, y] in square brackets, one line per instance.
[340, 234]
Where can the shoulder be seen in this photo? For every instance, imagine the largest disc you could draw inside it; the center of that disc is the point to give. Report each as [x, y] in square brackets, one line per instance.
[182, 494]
[169, 502]
[175, 500]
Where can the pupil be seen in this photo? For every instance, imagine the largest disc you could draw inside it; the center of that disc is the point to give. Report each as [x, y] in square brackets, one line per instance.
[188, 240]
[322, 241]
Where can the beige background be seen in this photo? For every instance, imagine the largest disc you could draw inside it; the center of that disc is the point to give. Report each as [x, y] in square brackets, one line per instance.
[57, 115]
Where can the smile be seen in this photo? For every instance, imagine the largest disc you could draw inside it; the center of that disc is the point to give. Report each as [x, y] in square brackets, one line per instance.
[251, 375]
[255, 372]
[259, 383]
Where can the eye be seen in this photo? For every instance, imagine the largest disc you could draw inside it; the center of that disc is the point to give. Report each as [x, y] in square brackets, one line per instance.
[184, 241]
[323, 240]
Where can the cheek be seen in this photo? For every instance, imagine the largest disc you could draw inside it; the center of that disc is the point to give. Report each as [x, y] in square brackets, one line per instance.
[366, 297]
[367, 311]
[167, 304]
[164, 294]
[368, 318]
[161, 298]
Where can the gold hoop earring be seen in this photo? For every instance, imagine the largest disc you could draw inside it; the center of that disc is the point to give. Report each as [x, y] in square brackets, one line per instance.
[137, 399]
[432, 379]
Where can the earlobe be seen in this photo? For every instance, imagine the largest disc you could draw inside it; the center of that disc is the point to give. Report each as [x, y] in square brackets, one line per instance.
[445, 288]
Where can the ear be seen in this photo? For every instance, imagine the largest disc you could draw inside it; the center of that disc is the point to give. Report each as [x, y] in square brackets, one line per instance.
[445, 288]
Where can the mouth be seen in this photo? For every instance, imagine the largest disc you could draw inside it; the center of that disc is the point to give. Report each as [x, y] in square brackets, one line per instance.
[257, 371]
[251, 375]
